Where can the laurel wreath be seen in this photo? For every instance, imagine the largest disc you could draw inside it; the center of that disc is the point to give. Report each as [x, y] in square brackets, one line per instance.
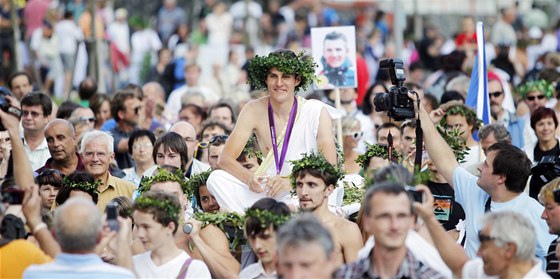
[315, 161]
[284, 61]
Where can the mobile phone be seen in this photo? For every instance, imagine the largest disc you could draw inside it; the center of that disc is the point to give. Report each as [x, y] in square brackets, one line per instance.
[415, 194]
[12, 195]
[112, 213]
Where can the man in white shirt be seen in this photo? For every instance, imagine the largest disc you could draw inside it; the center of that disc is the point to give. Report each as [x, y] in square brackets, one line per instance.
[35, 114]
[156, 216]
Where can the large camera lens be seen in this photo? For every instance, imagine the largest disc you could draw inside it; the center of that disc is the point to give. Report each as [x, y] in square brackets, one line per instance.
[382, 102]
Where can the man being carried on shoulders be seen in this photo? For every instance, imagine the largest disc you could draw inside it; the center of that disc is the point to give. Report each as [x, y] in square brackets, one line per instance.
[295, 126]
[314, 179]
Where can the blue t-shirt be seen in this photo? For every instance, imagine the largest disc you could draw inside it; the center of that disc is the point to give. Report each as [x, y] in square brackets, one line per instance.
[473, 199]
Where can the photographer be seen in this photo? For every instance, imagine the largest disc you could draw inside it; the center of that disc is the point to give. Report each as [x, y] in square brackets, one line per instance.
[499, 187]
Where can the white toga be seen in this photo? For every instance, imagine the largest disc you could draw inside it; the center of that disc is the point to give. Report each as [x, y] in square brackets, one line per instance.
[234, 195]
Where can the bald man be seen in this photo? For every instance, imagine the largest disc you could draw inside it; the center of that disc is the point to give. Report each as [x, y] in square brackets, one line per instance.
[61, 141]
[188, 133]
[83, 120]
[78, 228]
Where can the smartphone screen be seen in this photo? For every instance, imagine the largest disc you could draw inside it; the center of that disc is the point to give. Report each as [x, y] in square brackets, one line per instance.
[112, 213]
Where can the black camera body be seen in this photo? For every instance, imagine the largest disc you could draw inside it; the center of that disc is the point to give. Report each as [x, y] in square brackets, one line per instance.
[396, 103]
[5, 105]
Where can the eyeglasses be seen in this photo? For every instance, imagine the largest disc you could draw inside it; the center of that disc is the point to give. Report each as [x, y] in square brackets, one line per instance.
[34, 114]
[218, 139]
[48, 172]
[87, 119]
[145, 145]
[356, 135]
[495, 94]
[91, 154]
[484, 238]
[532, 98]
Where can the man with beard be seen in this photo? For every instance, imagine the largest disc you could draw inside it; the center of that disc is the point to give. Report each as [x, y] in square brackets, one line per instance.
[315, 178]
[513, 123]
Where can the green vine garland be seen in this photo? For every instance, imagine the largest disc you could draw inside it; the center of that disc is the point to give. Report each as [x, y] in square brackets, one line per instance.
[542, 86]
[315, 161]
[143, 202]
[197, 180]
[352, 194]
[454, 108]
[284, 61]
[251, 149]
[85, 186]
[163, 175]
[376, 150]
[266, 218]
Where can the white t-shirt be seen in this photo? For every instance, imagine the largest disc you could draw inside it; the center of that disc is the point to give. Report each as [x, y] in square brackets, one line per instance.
[145, 267]
[475, 269]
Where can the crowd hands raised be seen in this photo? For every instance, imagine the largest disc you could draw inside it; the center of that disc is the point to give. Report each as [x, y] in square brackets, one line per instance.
[184, 177]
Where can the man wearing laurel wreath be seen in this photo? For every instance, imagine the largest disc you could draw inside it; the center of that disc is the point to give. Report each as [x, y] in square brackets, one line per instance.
[294, 126]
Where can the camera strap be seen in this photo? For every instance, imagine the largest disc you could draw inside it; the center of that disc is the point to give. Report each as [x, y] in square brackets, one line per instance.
[419, 140]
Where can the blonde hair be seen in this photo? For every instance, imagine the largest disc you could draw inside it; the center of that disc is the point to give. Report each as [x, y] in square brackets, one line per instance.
[546, 194]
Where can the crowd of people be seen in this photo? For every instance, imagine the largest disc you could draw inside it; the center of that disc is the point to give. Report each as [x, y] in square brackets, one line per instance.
[174, 175]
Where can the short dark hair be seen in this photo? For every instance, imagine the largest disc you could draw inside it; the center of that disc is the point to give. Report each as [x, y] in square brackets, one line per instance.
[429, 98]
[138, 134]
[387, 125]
[17, 74]
[410, 123]
[451, 95]
[328, 178]
[223, 105]
[542, 113]
[87, 88]
[66, 109]
[117, 103]
[513, 163]
[211, 124]
[253, 226]
[38, 99]
[335, 36]
[391, 188]
[174, 142]
[195, 109]
[49, 177]
[77, 177]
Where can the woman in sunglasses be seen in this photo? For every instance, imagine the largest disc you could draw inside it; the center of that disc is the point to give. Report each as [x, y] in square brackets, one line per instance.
[352, 135]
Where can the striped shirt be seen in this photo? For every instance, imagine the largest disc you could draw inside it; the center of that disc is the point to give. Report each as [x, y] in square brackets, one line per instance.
[410, 268]
[552, 260]
[77, 266]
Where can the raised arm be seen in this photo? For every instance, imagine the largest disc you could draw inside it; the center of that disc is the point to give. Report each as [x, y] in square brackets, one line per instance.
[440, 153]
[23, 173]
[32, 211]
[452, 253]
[213, 247]
[235, 144]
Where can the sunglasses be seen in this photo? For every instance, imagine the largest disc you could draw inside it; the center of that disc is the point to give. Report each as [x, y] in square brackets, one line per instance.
[87, 119]
[495, 94]
[218, 139]
[49, 172]
[356, 135]
[532, 98]
[484, 238]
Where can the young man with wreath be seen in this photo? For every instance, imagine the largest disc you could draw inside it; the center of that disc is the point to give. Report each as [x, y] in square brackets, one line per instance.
[314, 179]
[295, 126]
[208, 244]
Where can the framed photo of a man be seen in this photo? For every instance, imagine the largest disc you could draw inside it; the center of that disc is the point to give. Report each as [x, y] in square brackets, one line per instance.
[334, 50]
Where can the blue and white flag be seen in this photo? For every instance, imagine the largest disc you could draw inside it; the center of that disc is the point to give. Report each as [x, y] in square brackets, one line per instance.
[477, 96]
